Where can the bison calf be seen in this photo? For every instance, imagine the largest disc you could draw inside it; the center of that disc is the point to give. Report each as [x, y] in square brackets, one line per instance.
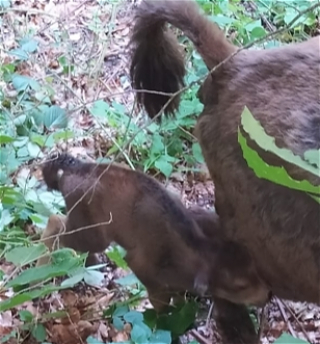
[151, 225]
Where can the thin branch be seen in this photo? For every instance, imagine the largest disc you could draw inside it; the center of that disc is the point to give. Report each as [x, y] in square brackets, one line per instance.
[199, 337]
[285, 317]
[298, 321]
[104, 223]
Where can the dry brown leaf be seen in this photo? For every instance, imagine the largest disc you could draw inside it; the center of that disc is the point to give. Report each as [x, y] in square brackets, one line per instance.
[6, 319]
[73, 316]
[120, 336]
[69, 298]
[73, 333]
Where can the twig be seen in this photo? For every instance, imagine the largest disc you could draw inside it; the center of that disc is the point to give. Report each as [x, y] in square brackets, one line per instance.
[57, 236]
[298, 321]
[262, 322]
[209, 315]
[114, 141]
[285, 317]
[60, 20]
[264, 19]
[104, 223]
[28, 11]
[199, 337]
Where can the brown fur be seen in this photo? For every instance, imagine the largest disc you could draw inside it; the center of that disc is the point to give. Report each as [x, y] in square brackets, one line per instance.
[234, 323]
[142, 223]
[281, 88]
[157, 63]
[279, 226]
[233, 272]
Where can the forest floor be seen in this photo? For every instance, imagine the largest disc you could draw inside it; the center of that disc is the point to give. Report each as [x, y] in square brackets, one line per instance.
[92, 40]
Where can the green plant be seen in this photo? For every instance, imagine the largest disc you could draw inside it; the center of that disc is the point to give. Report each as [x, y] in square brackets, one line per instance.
[37, 111]
[287, 339]
[277, 174]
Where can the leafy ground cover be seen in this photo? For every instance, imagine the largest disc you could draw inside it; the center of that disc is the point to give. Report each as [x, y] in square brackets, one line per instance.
[64, 85]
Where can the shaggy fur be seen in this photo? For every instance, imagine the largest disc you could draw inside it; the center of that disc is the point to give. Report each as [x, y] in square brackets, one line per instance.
[145, 221]
[279, 226]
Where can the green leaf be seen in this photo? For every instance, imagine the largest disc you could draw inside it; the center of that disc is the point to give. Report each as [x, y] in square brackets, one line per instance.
[100, 109]
[161, 336]
[55, 117]
[5, 4]
[274, 174]
[65, 258]
[253, 25]
[39, 332]
[133, 317]
[29, 45]
[72, 281]
[10, 196]
[6, 139]
[20, 120]
[19, 53]
[7, 69]
[63, 135]
[28, 296]
[13, 334]
[313, 157]
[120, 311]
[180, 319]
[38, 139]
[164, 166]
[150, 317]
[128, 280]
[43, 98]
[92, 340]
[310, 19]
[25, 316]
[23, 153]
[287, 339]
[256, 132]
[316, 198]
[22, 82]
[118, 323]
[34, 150]
[183, 319]
[157, 146]
[290, 14]
[258, 32]
[93, 278]
[116, 254]
[95, 267]
[120, 108]
[21, 256]
[5, 218]
[41, 273]
[140, 333]
[222, 20]
[197, 153]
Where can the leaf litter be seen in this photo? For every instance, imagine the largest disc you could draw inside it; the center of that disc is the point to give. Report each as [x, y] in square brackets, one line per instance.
[82, 49]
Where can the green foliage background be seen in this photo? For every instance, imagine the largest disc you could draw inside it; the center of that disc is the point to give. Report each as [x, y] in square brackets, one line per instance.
[31, 124]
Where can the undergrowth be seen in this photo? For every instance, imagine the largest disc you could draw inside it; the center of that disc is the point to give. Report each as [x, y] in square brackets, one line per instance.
[39, 107]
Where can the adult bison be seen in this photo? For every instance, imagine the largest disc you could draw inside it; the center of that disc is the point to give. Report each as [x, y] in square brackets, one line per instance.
[279, 226]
